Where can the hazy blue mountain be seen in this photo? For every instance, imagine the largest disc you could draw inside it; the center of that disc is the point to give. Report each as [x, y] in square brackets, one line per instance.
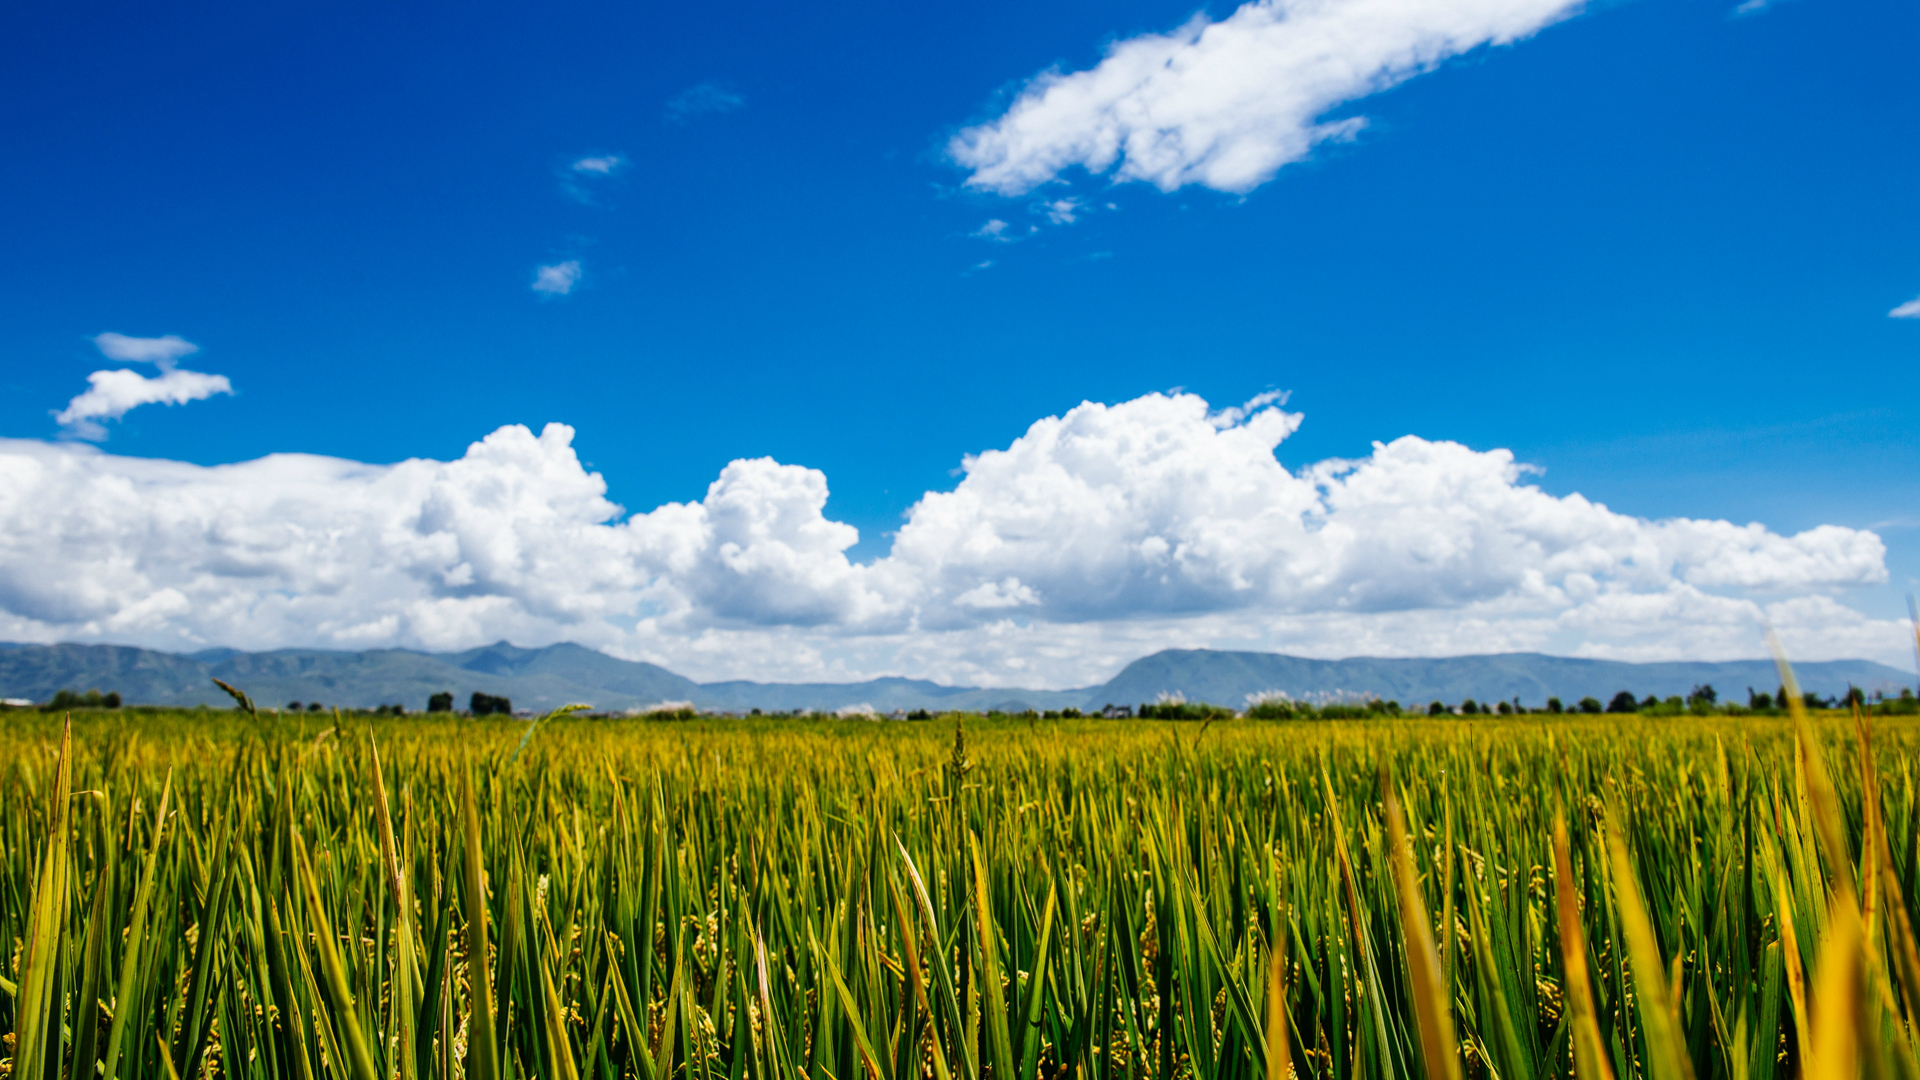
[1227, 678]
[37, 671]
[532, 678]
[885, 695]
[558, 674]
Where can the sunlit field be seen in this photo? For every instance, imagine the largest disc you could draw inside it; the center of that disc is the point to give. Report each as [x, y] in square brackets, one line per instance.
[218, 894]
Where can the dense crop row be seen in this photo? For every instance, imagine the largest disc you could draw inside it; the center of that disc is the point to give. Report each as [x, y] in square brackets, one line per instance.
[729, 899]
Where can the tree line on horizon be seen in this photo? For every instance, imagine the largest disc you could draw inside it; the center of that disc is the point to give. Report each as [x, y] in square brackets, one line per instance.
[1702, 700]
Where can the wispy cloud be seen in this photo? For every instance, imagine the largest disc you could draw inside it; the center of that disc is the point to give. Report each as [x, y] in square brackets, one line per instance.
[1908, 310]
[602, 165]
[144, 350]
[584, 178]
[558, 279]
[707, 97]
[1227, 104]
[994, 229]
[112, 394]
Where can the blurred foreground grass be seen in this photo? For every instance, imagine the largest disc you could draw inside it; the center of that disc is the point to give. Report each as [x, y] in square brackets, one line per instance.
[201, 893]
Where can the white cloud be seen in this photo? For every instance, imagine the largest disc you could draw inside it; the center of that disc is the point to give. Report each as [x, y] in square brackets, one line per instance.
[707, 97]
[1095, 537]
[112, 394]
[1062, 211]
[994, 229]
[162, 351]
[1226, 104]
[558, 279]
[581, 178]
[1908, 310]
[601, 165]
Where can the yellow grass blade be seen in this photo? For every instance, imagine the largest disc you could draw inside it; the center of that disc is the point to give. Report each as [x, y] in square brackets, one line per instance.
[334, 971]
[1431, 1008]
[36, 1013]
[1840, 997]
[1666, 1049]
[1589, 1051]
[402, 1004]
[1279, 1051]
[1828, 821]
[481, 1049]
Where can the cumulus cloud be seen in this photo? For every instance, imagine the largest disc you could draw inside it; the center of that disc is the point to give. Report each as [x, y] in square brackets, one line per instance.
[1226, 104]
[112, 394]
[702, 100]
[558, 279]
[1098, 535]
[1908, 310]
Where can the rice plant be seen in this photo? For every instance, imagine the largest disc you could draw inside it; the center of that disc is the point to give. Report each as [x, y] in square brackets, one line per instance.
[244, 895]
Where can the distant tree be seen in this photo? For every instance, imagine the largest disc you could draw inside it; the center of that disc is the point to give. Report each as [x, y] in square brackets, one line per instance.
[1554, 706]
[1068, 713]
[441, 702]
[1648, 703]
[919, 714]
[313, 706]
[1854, 697]
[1589, 705]
[1506, 709]
[1273, 709]
[1469, 707]
[1623, 703]
[1703, 693]
[68, 700]
[1761, 700]
[1436, 708]
[1179, 710]
[1813, 701]
[295, 706]
[487, 705]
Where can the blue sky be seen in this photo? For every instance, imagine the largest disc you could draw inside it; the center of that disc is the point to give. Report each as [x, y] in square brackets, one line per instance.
[1650, 249]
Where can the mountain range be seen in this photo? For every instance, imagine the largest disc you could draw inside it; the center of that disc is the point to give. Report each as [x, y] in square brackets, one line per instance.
[557, 674]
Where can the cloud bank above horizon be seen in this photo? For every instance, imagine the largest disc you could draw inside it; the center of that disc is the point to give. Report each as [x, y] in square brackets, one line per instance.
[1098, 535]
[1226, 104]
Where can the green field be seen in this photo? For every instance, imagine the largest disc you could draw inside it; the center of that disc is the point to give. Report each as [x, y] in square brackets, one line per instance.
[201, 894]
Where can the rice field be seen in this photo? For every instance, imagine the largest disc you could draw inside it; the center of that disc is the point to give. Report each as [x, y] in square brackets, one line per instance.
[218, 894]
